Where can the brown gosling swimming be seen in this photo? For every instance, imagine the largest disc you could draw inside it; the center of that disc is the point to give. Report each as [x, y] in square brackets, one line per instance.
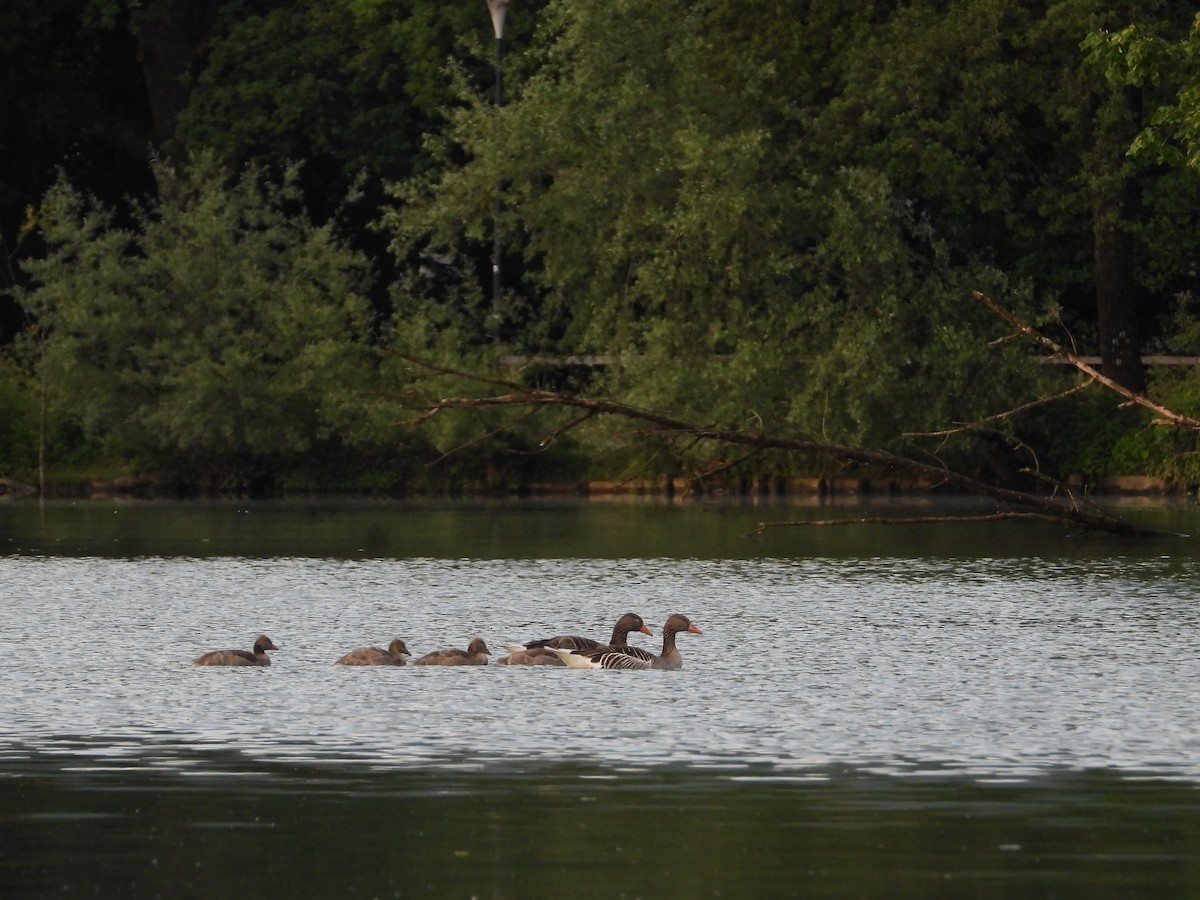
[394, 655]
[257, 657]
[476, 654]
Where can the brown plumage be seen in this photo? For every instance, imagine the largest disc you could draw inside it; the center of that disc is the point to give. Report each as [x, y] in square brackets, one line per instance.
[539, 653]
[633, 657]
[476, 654]
[256, 657]
[394, 655]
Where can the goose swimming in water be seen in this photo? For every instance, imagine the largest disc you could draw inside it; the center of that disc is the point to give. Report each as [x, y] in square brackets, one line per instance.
[394, 655]
[633, 657]
[538, 653]
[257, 657]
[476, 654]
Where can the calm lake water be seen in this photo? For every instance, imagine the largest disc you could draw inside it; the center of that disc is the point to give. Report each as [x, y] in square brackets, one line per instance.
[932, 711]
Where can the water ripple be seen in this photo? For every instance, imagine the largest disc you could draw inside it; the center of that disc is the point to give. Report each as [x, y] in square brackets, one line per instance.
[988, 668]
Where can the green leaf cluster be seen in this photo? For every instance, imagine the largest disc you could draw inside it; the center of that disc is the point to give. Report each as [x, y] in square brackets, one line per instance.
[218, 334]
[1146, 54]
[650, 183]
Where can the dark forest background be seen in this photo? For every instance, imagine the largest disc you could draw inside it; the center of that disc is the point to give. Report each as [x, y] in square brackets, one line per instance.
[222, 220]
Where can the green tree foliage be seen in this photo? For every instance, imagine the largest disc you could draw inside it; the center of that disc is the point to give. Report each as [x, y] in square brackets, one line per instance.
[987, 114]
[18, 421]
[1140, 55]
[351, 88]
[1160, 60]
[671, 229]
[348, 87]
[308, 81]
[756, 212]
[222, 335]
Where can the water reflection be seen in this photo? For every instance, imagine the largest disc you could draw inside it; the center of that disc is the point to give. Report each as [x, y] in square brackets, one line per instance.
[537, 832]
[993, 666]
[553, 529]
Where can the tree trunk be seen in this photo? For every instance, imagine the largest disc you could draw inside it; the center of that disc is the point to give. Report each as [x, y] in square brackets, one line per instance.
[1116, 201]
[1116, 303]
[171, 34]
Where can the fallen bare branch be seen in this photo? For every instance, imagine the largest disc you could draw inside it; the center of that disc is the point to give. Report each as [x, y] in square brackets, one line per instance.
[1000, 417]
[1179, 420]
[1076, 512]
[417, 420]
[553, 436]
[915, 520]
[472, 442]
[725, 467]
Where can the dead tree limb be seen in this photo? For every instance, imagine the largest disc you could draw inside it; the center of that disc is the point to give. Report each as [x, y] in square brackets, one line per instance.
[726, 466]
[914, 520]
[1167, 416]
[1000, 417]
[1071, 510]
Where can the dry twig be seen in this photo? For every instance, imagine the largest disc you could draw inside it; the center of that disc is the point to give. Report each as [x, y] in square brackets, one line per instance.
[916, 520]
[1168, 416]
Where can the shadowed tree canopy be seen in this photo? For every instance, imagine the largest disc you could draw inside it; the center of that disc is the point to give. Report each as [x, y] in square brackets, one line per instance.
[749, 214]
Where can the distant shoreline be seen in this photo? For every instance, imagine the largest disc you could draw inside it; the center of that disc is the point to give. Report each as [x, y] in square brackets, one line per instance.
[146, 487]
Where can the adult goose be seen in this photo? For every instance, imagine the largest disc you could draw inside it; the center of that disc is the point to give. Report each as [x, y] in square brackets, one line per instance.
[394, 655]
[476, 654]
[538, 653]
[255, 657]
[633, 657]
